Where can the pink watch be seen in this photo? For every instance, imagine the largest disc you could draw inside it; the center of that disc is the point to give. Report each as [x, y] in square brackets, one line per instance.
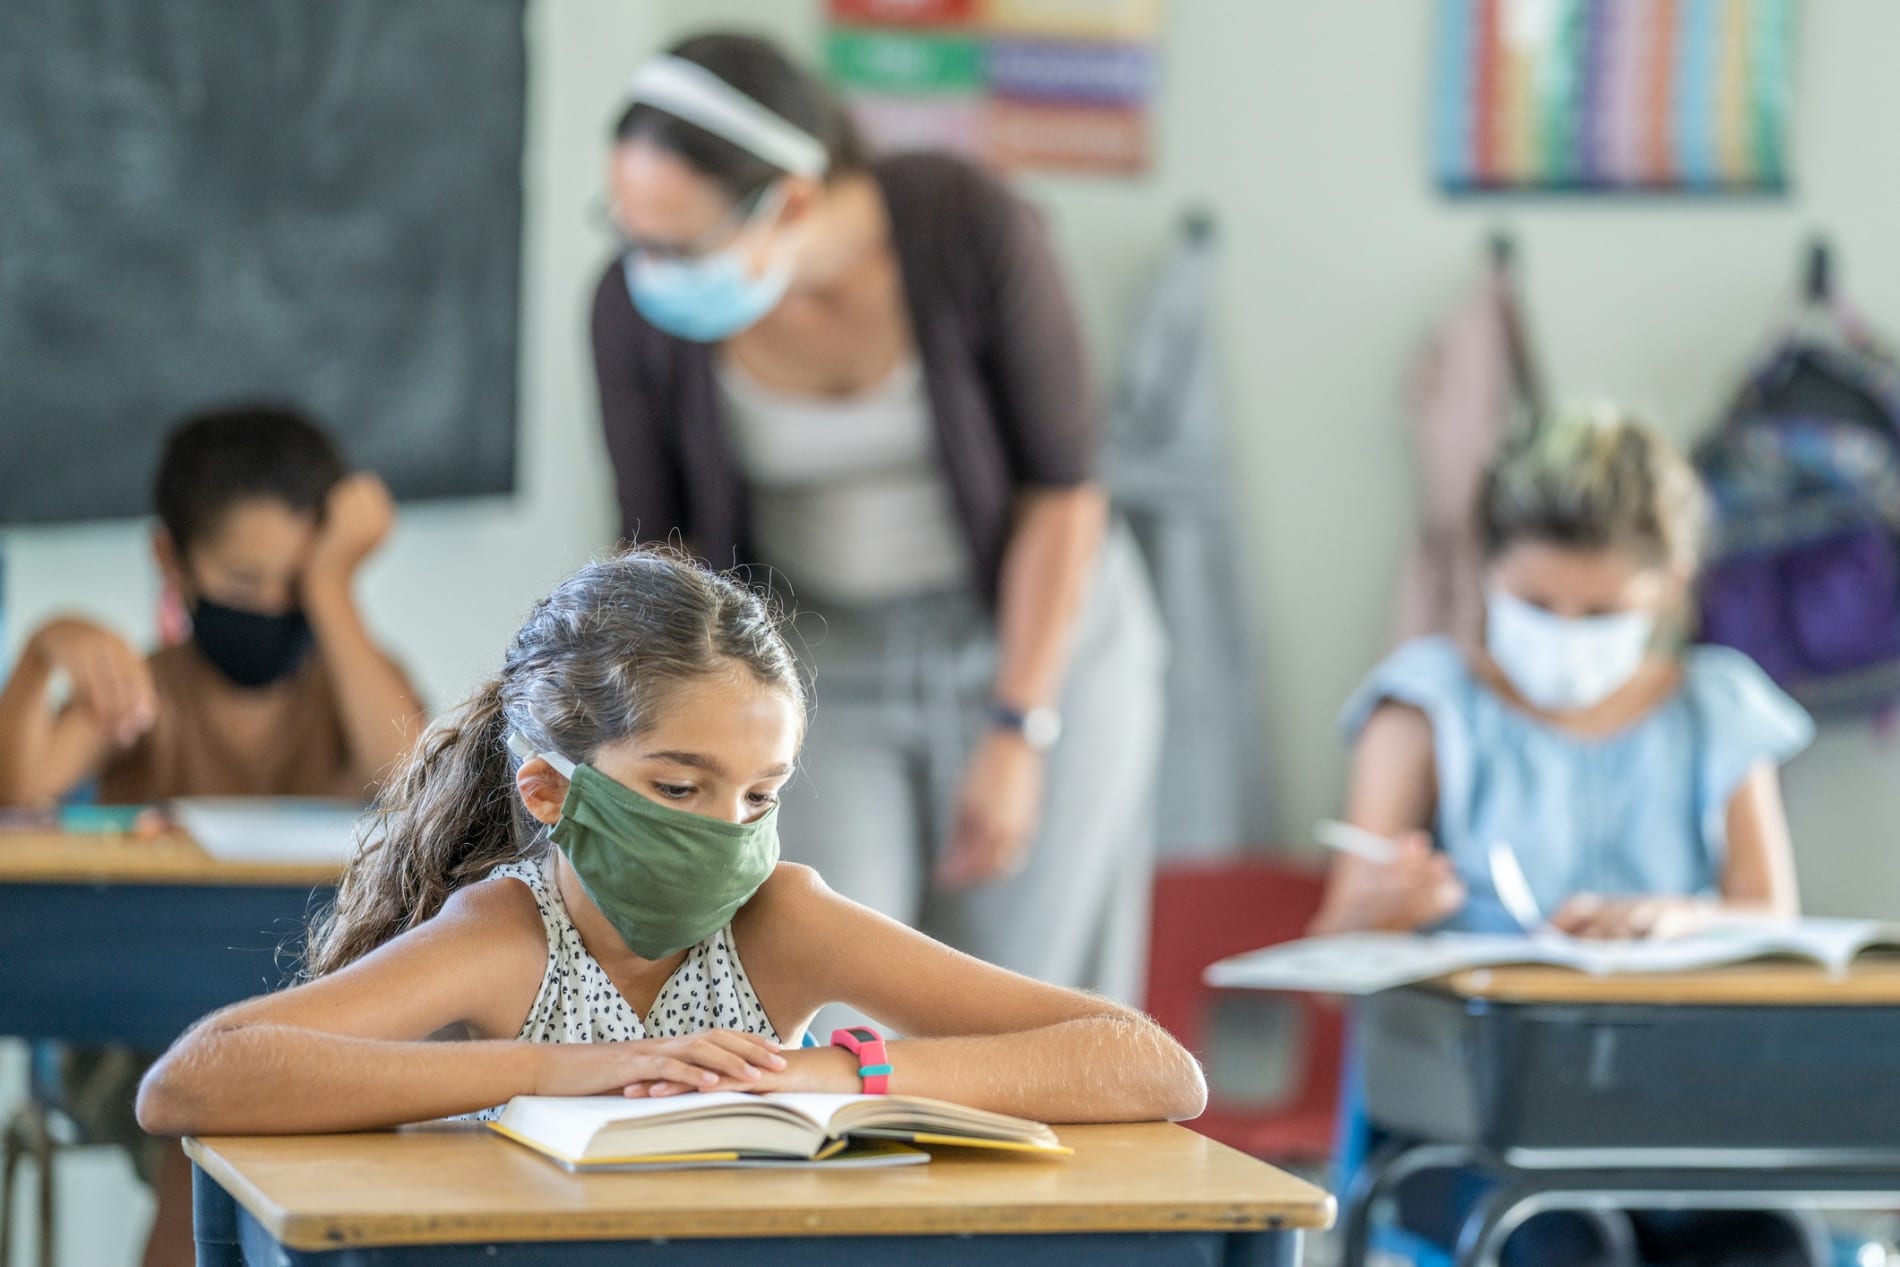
[874, 1063]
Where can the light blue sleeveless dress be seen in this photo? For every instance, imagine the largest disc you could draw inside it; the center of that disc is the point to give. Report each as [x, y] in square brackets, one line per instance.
[1640, 811]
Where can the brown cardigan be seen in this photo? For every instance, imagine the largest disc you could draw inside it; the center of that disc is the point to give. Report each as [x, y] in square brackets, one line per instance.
[1003, 368]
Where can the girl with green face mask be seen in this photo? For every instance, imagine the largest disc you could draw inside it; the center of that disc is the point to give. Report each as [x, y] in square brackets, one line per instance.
[578, 873]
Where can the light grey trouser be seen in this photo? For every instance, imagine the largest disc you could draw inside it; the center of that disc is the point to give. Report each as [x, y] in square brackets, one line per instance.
[903, 694]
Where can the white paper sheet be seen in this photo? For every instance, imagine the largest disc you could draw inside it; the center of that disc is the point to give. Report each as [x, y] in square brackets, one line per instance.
[270, 828]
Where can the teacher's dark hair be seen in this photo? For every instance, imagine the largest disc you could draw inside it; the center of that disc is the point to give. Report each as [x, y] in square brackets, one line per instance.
[761, 70]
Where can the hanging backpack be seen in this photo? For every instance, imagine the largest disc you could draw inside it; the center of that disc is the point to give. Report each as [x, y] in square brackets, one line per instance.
[1804, 473]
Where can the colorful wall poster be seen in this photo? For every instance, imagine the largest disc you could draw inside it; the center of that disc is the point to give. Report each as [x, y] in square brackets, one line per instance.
[1044, 84]
[1612, 95]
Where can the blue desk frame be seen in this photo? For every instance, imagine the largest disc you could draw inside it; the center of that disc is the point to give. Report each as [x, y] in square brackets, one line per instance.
[137, 963]
[1437, 1061]
[230, 1236]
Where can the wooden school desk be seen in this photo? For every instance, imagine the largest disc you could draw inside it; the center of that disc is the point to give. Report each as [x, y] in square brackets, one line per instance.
[1758, 1086]
[111, 939]
[1151, 1193]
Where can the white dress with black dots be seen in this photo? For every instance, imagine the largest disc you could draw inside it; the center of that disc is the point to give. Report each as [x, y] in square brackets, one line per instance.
[579, 1003]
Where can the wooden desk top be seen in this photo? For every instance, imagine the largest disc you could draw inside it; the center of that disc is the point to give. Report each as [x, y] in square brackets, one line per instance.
[457, 1185]
[51, 857]
[1873, 981]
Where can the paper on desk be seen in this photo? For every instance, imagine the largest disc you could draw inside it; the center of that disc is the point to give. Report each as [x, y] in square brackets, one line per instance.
[287, 829]
[1366, 963]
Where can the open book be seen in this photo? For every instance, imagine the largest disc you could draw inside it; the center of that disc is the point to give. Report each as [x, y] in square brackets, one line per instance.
[737, 1128]
[1366, 963]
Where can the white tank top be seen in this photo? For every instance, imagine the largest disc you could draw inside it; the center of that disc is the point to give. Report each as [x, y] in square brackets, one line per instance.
[579, 1003]
[849, 495]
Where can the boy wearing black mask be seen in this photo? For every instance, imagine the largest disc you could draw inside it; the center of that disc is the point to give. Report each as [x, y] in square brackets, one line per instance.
[278, 691]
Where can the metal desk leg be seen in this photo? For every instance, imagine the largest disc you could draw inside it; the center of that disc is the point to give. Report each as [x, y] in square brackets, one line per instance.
[1394, 1163]
[214, 1223]
[1491, 1222]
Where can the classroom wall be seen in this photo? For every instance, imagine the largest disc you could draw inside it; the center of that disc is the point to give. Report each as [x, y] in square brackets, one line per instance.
[1301, 125]
[1339, 256]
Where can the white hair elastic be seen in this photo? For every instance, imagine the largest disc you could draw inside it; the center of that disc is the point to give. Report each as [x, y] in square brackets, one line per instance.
[698, 96]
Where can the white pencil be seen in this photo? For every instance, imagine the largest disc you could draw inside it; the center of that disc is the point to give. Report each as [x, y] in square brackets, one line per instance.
[1356, 841]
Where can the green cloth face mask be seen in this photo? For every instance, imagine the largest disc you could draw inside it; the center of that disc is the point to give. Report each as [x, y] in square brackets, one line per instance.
[665, 879]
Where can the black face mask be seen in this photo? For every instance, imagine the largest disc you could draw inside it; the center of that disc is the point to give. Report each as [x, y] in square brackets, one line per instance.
[249, 648]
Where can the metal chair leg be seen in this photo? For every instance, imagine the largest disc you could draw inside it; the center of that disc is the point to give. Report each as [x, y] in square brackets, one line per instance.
[29, 1134]
[11, 1147]
[45, 1148]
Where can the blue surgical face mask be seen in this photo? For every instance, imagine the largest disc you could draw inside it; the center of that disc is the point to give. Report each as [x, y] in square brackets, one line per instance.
[709, 298]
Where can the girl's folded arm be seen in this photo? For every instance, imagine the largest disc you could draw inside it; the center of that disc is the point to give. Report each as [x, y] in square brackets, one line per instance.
[975, 1033]
[351, 1050]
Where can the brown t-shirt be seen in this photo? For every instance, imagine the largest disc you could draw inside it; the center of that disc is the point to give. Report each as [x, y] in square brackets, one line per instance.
[215, 738]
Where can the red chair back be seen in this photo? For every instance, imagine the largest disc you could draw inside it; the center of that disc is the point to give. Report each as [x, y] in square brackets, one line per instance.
[1206, 911]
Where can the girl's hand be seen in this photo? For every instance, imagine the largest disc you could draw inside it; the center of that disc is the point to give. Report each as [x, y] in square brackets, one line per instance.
[711, 1060]
[828, 1069]
[997, 811]
[1622, 918]
[110, 680]
[1420, 887]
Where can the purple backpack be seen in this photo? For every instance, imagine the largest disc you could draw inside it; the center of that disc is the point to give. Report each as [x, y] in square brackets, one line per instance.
[1804, 472]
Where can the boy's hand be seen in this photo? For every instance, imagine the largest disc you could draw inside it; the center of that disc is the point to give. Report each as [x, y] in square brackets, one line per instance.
[110, 680]
[357, 517]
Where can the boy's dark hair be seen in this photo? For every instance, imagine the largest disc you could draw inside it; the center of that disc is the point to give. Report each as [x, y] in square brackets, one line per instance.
[220, 457]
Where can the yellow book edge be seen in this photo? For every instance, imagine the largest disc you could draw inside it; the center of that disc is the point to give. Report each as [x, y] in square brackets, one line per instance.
[1000, 1145]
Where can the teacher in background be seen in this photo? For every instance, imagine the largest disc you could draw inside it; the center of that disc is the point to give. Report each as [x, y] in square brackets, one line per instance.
[864, 374]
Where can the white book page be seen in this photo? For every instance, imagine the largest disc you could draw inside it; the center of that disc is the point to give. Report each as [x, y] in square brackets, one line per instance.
[818, 1106]
[1833, 943]
[1366, 963]
[270, 828]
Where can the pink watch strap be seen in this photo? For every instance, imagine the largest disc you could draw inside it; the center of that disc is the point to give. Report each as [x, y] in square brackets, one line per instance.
[874, 1063]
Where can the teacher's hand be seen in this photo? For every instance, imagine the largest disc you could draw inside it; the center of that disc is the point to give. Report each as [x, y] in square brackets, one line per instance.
[997, 812]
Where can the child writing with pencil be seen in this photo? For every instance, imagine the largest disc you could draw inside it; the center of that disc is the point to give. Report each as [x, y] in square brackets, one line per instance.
[278, 691]
[577, 877]
[1634, 778]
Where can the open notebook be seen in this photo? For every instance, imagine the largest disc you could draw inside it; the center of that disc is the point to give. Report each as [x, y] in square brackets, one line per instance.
[736, 1128]
[1366, 963]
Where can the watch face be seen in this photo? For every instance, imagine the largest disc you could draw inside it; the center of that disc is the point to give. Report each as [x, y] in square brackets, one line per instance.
[1042, 727]
[863, 1035]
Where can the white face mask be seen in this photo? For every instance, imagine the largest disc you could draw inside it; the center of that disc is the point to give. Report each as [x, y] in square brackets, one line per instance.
[1562, 665]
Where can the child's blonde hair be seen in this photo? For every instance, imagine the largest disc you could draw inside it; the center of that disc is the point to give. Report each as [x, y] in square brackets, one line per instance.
[1595, 477]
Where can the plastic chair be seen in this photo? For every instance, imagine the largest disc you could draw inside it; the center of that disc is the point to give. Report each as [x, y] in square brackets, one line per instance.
[1205, 911]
